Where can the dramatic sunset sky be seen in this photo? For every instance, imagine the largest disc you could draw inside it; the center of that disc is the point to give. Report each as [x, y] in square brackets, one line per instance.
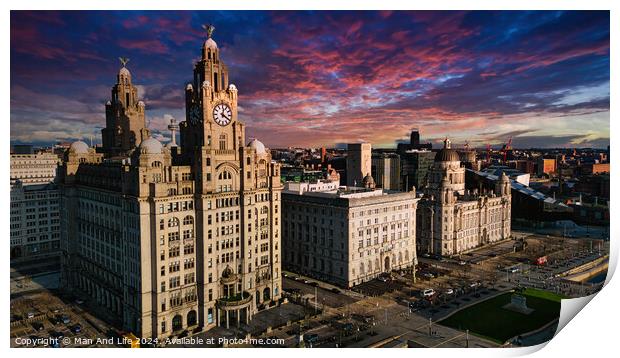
[324, 78]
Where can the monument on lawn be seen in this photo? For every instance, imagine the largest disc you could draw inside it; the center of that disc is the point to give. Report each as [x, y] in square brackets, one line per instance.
[518, 303]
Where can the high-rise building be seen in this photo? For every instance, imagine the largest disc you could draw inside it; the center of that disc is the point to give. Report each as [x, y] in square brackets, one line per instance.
[414, 143]
[386, 170]
[33, 168]
[415, 139]
[35, 220]
[415, 165]
[452, 220]
[358, 162]
[170, 239]
[347, 236]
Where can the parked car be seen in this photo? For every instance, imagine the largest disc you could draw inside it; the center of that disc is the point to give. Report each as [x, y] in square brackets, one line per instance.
[30, 315]
[65, 319]
[79, 301]
[474, 284]
[363, 318]
[311, 338]
[429, 292]
[38, 326]
[76, 329]
[462, 263]
[335, 290]
[383, 278]
[314, 283]
[449, 291]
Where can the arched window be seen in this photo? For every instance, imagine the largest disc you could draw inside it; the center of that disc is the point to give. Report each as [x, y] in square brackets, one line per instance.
[187, 190]
[156, 164]
[225, 175]
[188, 220]
[173, 222]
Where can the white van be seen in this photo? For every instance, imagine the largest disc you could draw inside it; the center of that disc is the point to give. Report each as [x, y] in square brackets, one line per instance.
[429, 292]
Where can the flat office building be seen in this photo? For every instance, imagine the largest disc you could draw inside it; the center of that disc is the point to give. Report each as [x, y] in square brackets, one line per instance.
[415, 165]
[347, 235]
[34, 168]
[386, 170]
[35, 220]
[358, 162]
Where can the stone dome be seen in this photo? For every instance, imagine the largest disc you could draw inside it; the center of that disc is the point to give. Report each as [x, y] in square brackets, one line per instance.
[210, 44]
[79, 147]
[232, 87]
[368, 181]
[258, 146]
[447, 155]
[151, 146]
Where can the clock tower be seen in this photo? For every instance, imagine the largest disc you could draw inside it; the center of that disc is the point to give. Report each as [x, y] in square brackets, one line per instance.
[237, 199]
[211, 107]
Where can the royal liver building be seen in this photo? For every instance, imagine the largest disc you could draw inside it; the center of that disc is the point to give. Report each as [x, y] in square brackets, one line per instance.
[164, 239]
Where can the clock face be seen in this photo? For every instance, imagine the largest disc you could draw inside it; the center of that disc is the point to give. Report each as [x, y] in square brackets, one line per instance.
[194, 115]
[222, 114]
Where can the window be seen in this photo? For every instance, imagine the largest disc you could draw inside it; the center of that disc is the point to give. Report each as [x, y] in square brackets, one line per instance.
[222, 141]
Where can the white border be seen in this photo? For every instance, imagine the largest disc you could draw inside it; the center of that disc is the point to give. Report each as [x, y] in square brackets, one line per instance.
[590, 333]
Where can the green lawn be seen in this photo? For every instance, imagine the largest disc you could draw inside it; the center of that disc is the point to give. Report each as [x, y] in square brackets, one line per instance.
[489, 320]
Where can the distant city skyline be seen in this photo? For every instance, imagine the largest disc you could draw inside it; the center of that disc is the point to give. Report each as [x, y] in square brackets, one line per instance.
[321, 78]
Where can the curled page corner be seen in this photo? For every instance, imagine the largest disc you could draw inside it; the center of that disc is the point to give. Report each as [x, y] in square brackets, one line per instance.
[571, 307]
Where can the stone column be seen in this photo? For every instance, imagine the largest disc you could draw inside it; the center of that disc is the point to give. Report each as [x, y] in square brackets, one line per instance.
[227, 320]
[238, 312]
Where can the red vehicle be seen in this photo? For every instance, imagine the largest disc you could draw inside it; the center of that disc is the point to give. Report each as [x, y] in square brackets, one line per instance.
[541, 261]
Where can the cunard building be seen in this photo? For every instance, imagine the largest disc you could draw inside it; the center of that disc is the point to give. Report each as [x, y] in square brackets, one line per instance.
[452, 220]
[165, 239]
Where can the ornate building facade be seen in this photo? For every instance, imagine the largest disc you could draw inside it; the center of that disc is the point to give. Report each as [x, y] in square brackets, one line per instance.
[166, 239]
[453, 220]
[347, 235]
